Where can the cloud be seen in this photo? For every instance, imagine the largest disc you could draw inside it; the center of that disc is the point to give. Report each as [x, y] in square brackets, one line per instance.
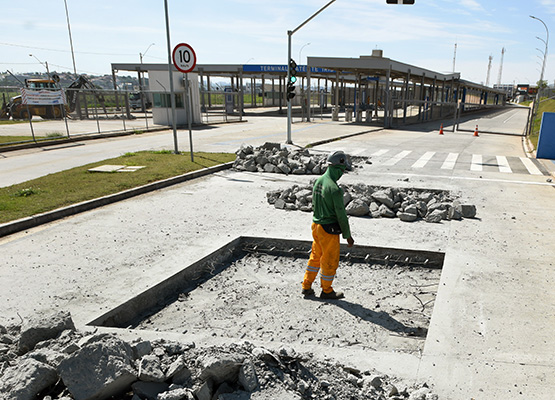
[472, 4]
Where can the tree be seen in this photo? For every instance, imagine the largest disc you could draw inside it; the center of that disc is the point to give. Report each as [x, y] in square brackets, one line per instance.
[542, 84]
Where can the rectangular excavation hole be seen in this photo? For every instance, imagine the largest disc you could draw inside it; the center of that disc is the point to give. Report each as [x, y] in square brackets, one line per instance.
[250, 289]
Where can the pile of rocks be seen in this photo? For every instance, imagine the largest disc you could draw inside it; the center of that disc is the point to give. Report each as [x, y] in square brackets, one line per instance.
[374, 201]
[270, 157]
[48, 359]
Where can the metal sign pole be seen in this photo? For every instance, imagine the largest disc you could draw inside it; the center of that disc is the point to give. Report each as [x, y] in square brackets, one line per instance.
[189, 104]
[172, 97]
[289, 106]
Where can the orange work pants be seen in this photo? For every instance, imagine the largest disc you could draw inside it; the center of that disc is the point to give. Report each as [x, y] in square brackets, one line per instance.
[324, 257]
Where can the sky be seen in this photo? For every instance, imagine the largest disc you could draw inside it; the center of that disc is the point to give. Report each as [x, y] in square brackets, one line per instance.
[255, 32]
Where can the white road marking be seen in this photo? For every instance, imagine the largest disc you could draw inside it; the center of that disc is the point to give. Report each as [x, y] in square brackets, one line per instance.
[356, 153]
[503, 164]
[530, 166]
[395, 159]
[509, 118]
[380, 152]
[476, 164]
[422, 161]
[450, 161]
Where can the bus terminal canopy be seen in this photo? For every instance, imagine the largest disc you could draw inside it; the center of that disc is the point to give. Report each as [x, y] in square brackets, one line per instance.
[387, 90]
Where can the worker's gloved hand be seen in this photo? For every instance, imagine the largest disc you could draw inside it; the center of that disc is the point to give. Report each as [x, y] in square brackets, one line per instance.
[350, 242]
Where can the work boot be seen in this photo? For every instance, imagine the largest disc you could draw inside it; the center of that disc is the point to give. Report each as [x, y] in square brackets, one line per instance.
[332, 296]
[308, 293]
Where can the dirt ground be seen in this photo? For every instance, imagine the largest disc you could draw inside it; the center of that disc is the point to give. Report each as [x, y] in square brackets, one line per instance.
[386, 308]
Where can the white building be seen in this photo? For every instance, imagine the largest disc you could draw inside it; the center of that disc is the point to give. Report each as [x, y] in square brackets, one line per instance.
[159, 86]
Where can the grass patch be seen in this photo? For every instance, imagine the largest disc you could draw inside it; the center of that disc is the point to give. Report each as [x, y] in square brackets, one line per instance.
[10, 140]
[12, 122]
[77, 184]
[545, 106]
[55, 135]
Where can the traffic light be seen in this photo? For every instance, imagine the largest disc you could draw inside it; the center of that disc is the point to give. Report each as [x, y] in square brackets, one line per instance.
[292, 79]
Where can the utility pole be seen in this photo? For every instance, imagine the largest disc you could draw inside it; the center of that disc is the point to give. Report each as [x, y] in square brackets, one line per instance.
[454, 57]
[489, 70]
[501, 67]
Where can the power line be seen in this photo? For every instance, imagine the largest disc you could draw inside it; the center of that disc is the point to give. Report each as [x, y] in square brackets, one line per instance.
[63, 51]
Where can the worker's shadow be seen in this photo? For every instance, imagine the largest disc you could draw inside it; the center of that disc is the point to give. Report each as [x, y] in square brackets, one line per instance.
[381, 318]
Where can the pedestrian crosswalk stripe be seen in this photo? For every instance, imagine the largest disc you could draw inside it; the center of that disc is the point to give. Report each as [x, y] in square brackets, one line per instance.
[530, 166]
[380, 152]
[357, 152]
[503, 164]
[450, 161]
[394, 160]
[476, 164]
[422, 161]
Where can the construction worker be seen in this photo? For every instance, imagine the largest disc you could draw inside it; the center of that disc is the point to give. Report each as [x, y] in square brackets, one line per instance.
[328, 222]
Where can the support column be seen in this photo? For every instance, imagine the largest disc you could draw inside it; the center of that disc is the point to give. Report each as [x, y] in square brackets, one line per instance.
[386, 103]
[308, 94]
[263, 83]
[273, 92]
[376, 94]
[405, 102]
[209, 90]
[241, 96]
[433, 98]
[442, 98]
[337, 90]
[202, 101]
[422, 98]
[281, 95]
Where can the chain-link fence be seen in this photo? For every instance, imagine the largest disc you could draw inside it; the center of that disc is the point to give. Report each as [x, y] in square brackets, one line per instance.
[103, 112]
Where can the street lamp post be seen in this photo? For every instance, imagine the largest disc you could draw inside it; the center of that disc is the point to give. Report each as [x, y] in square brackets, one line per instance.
[45, 64]
[537, 100]
[289, 35]
[141, 77]
[300, 51]
[141, 55]
[70, 39]
[300, 61]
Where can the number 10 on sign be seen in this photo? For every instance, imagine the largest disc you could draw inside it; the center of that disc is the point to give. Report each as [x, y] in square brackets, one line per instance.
[184, 58]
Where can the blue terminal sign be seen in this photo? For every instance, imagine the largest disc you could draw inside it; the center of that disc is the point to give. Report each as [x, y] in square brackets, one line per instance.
[283, 68]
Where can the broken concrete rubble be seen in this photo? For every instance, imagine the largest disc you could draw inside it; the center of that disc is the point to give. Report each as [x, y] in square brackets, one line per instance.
[271, 157]
[38, 330]
[105, 366]
[361, 200]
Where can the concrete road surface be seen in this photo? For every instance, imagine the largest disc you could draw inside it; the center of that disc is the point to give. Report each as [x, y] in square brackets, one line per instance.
[490, 335]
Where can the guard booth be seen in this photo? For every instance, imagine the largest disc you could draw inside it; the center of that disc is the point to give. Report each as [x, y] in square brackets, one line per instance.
[159, 84]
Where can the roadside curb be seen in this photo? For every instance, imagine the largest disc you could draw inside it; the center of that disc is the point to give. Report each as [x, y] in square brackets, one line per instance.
[73, 139]
[530, 152]
[40, 219]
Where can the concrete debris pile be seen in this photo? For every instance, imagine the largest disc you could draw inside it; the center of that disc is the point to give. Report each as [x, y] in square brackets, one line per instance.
[270, 157]
[374, 201]
[48, 359]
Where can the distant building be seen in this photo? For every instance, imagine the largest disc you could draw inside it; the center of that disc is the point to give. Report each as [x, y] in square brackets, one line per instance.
[508, 88]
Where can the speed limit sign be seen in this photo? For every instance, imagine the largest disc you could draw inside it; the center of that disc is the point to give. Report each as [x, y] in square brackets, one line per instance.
[184, 58]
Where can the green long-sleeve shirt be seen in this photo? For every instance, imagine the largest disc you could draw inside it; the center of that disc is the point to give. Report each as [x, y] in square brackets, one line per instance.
[327, 201]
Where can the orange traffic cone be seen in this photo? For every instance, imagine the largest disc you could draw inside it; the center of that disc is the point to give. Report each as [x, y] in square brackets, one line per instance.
[476, 131]
[441, 130]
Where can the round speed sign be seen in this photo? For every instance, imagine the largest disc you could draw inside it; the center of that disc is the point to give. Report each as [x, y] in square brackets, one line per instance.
[184, 58]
